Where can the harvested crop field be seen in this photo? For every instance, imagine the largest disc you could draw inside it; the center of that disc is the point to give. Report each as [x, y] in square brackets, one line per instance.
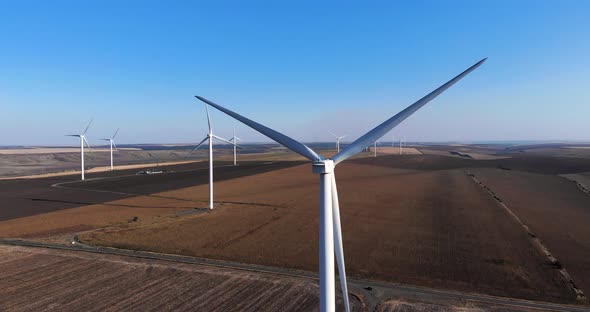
[429, 228]
[555, 209]
[401, 305]
[35, 279]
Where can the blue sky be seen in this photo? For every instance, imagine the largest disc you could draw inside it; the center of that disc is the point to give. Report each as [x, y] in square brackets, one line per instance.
[300, 67]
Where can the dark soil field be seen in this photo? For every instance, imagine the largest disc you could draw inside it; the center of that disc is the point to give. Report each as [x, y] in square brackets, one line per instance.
[27, 197]
[536, 164]
[555, 210]
[433, 228]
[35, 279]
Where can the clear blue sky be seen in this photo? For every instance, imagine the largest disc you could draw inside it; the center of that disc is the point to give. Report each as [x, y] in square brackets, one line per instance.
[300, 67]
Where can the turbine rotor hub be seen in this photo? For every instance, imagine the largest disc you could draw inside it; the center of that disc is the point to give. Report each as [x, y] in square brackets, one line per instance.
[323, 166]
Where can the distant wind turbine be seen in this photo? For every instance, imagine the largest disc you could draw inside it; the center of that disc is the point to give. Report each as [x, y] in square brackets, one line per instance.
[330, 232]
[234, 141]
[375, 149]
[83, 141]
[338, 139]
[210, 136]
[112, 141]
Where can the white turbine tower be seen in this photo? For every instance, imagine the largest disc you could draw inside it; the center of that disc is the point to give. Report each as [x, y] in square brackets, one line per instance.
[330, 232]
[375, 149]
[83, 141]
[338, 139]
[112, 141]
[234, 141]
[210, 136]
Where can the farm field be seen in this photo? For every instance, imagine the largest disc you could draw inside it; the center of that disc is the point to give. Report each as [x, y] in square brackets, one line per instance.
[433, 228]
[35, 279]
[554, 209]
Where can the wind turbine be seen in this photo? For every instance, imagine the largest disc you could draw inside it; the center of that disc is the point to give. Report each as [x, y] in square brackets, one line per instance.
[375, 149]
[83, 140]
[210, 136]
[330, 232]
[234, 141]
[112, 141]
[338, 139]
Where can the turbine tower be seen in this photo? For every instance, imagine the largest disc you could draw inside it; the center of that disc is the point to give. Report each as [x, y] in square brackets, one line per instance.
[210, 136]
[338, 139]
[330, 232]
[83, 141]
[234, 141]
[112, 141]
[375, 149]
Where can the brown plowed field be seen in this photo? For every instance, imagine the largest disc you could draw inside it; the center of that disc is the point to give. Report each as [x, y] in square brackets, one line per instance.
[34, 279]
[554, 209]
[396, 305]
[431, 228]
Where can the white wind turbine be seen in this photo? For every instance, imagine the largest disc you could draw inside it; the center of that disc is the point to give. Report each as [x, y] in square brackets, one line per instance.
[330, 232]
[375, 149]
[83, 141]
[112, 141]
[234, 141]
[338, 139]
[210, 136]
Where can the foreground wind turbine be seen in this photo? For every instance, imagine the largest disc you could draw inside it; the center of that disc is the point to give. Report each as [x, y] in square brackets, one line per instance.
[330, 232]
[210, 136]
[338, 139]
[83, 141]
[112, 141]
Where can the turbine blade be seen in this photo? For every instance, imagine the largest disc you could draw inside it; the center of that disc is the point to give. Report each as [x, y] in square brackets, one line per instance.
[115, 146]
[338, 250]
[208, 118]
[72, 135]
[235, 137]
[392, 122]
[87, 145]
[284, 140]
[221, 139]
[332, 133]
[91, 120]
[114, 135]
[198, 145]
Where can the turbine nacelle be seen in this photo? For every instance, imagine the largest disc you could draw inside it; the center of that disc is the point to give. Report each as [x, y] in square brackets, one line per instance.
[323, 166]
